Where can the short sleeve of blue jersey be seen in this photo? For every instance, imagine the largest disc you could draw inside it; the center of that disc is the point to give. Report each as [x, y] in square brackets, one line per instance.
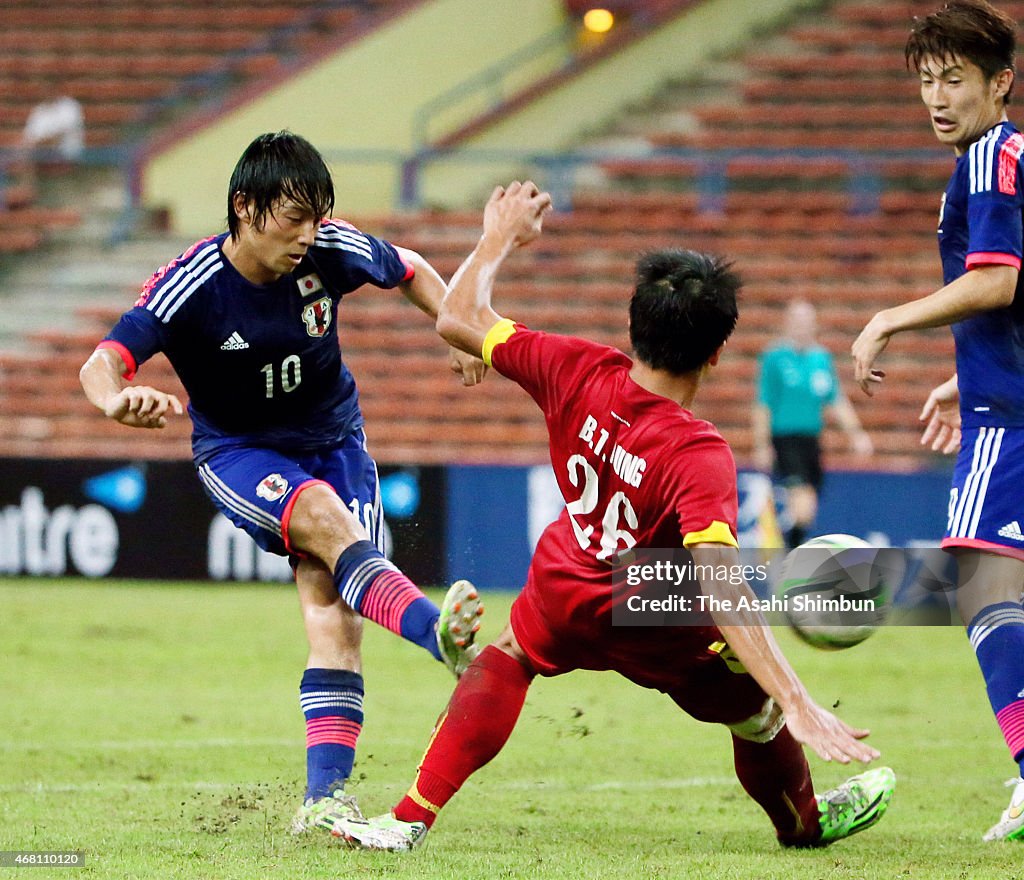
[140, 333]
[994, 222]
[351, 258]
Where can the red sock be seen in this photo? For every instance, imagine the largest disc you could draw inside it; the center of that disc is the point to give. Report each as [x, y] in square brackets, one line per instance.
[776, 775]
[478, 721]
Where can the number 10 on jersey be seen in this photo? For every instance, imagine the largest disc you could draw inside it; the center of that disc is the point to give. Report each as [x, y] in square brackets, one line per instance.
[290, 375]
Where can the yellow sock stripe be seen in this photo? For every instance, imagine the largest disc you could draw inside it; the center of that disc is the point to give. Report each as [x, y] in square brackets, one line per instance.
[433, 735]
[413, 793]
[499, 333]
[420, 801]
[799, 824]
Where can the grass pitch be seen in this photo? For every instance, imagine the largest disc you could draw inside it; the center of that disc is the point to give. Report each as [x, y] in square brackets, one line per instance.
[157, 728]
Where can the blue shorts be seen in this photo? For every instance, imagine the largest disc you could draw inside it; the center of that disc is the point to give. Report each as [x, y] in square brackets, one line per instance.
[986, 504]
[256, 488]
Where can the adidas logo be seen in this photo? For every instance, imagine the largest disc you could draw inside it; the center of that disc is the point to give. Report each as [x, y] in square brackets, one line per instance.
[235, 342]
[1012, 530]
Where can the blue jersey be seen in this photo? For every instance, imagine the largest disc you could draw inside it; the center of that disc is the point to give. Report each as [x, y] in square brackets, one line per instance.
[261, 363]
[982, 223]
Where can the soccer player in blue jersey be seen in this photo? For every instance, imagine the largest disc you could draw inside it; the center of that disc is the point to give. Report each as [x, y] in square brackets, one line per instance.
[964, 55]
[248, 319]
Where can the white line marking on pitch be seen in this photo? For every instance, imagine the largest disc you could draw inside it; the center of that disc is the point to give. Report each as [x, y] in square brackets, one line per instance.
[134, 786]
[131, 745]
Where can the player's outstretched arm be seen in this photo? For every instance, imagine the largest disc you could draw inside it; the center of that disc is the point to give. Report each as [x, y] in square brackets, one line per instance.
[137, 406]
[751, 639]
[942, 413]
[513, 217]
[981, 290]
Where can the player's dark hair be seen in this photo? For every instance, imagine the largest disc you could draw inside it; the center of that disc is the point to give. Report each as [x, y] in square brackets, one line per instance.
[280, 165]
[970, 29]
[683, 308]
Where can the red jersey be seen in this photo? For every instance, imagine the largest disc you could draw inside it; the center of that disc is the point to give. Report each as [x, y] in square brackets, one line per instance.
[635, 469]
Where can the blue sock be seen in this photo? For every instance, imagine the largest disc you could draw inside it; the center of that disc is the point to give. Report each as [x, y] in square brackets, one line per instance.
[378, 591]
[997, 636]
[332, 701]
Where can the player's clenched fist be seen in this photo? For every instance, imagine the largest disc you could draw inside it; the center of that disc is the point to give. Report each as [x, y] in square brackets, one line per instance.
[140, 406]
[515, 213]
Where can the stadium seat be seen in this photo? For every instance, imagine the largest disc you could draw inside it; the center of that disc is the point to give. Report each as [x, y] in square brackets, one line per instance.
[127, 61]
[794, 225]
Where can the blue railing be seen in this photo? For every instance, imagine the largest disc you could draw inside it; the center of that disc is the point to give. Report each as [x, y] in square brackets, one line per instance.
[864, 171]
[708, 172]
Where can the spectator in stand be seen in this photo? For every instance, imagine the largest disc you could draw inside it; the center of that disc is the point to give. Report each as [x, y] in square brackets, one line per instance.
[54, 131]
[56, 122]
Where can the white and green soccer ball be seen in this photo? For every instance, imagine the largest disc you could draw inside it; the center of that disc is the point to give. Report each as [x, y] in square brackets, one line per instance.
[836, 590]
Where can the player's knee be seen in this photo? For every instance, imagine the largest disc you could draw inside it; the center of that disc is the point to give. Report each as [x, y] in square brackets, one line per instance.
[507, 643]
[762, 727]
[322, 525]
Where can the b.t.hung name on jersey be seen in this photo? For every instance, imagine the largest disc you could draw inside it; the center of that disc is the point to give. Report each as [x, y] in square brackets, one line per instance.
[629, 467]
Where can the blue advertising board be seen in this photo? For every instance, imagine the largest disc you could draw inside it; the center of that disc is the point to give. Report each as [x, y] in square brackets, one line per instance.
[496, 514]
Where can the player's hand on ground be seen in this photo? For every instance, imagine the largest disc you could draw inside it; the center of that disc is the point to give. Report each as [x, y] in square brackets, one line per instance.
[515, 214]
[866, 348]
[470, 368]
[829, 737]
[140, 406]
[942, 413]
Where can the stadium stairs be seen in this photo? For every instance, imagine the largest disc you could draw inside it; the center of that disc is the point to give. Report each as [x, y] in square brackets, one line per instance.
[831, 84]
[134, 64]
[124, 61]
[795, 228]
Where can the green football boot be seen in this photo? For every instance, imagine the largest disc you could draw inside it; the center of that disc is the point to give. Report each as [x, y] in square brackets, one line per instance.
[458, 625]
[851, 807]
[381, 833]
[325, 812]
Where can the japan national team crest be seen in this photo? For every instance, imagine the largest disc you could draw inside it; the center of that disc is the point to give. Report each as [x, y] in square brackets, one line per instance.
[310, 284]
[317, 316]
[273, 487]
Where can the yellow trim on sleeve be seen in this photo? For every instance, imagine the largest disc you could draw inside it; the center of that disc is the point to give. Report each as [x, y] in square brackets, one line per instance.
[499, 333]
[716, 533]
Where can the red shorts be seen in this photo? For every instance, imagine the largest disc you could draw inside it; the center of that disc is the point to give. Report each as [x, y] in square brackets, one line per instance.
[562, 620]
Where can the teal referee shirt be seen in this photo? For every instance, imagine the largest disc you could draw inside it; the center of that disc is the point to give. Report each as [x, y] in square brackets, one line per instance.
[796, 385]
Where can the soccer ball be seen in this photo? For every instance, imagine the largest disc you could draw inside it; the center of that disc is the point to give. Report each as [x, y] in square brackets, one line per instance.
[835, 590]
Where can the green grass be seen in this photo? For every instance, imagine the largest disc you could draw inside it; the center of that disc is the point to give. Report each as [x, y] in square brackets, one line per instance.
[157, 728]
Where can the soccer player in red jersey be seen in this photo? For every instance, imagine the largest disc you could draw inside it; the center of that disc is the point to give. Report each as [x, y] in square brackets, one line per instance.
[637, 470]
